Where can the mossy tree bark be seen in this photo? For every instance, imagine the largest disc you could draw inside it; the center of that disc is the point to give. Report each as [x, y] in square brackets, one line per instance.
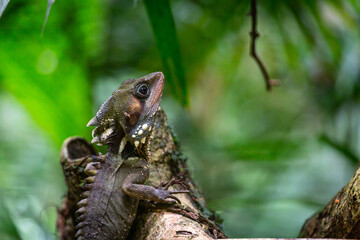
[190, 220]
[340, 218]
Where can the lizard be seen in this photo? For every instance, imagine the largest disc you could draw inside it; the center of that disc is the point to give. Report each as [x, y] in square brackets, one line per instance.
[114, 182]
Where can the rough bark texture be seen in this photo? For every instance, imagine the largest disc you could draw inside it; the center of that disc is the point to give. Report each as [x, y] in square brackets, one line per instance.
[190, 220]
[186, 221]
[340, 218]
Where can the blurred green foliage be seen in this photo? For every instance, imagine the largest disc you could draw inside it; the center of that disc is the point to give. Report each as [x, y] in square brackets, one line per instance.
[265, 161]
[164, 30]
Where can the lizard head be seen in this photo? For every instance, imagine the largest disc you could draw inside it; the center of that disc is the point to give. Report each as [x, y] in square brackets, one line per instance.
[128, 115]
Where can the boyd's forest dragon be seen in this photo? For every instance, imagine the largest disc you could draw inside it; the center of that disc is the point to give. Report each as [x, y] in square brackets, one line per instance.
[107, 188]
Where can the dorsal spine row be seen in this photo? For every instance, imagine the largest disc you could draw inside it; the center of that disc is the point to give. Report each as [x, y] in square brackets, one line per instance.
[90, 170]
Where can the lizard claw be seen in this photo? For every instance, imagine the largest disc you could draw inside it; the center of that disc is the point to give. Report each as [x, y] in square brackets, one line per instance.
[166, 196]
[172, 199]
[173, 181]
[177, 192]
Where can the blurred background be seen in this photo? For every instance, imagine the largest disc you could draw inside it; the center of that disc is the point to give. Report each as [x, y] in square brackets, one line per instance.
[265, 161]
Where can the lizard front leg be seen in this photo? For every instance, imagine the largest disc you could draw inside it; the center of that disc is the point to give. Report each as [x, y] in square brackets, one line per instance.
[133, 186]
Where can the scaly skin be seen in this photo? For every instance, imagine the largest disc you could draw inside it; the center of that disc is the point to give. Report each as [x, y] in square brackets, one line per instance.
[107, 212]
[115, 184]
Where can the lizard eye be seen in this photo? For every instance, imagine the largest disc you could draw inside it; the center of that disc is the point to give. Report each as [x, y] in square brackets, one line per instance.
[143, 91]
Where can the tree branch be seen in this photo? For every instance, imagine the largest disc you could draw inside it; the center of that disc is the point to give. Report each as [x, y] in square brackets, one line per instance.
[254, 35]
[185, 221]
[340, 218]
[154, 221]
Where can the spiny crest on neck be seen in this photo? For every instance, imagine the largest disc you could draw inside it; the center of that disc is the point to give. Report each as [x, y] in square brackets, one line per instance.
[127, 116]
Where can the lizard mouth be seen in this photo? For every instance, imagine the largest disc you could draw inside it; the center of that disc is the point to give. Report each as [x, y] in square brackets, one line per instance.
[154, 102]
[133, 119]
[139, 135]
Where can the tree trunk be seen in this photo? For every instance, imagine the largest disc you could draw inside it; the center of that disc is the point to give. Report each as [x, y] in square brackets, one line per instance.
[340, 218]
[190, 220]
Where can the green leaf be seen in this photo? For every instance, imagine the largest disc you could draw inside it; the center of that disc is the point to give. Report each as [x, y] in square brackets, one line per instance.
[48, 8]
[163, 26]
[3, 4]
[43, 76]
